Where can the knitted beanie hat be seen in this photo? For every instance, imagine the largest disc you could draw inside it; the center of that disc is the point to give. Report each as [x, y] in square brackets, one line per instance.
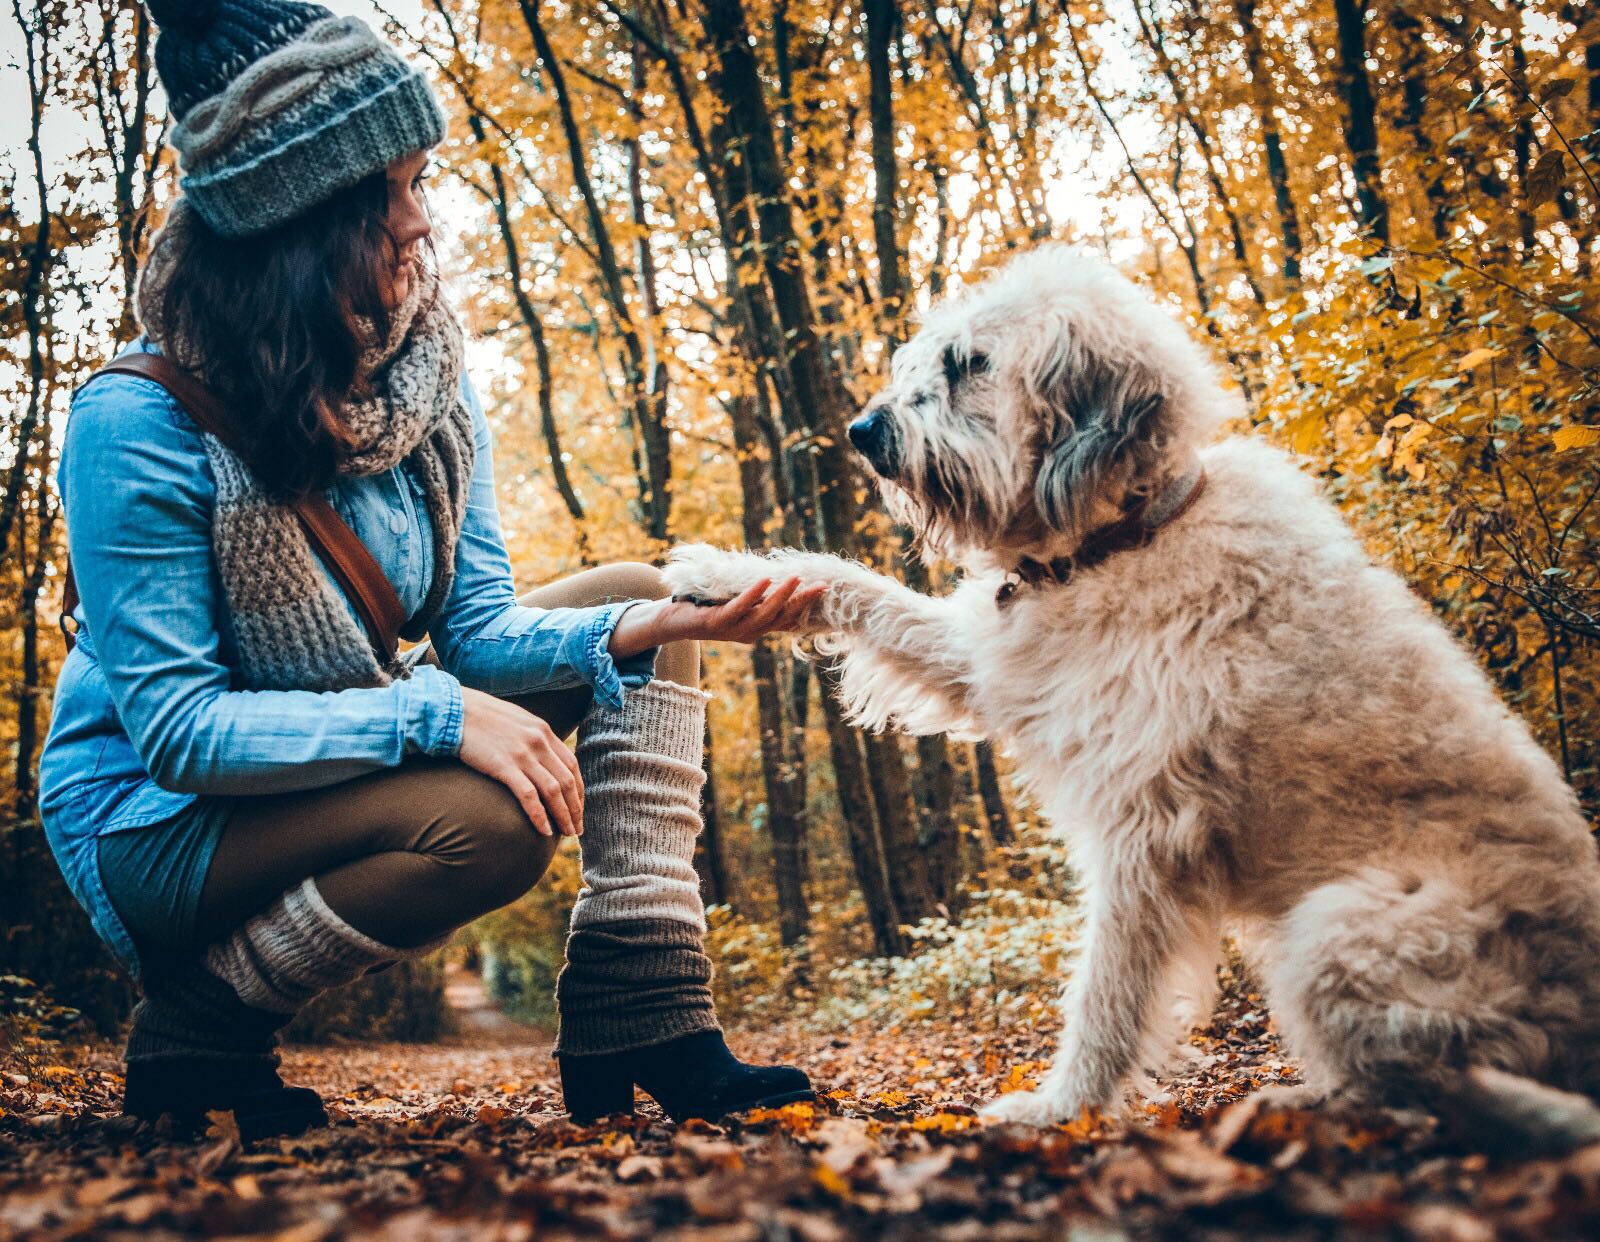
[279, 105]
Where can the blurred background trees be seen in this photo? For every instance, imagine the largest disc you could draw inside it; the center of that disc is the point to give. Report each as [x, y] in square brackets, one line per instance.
[688, 233]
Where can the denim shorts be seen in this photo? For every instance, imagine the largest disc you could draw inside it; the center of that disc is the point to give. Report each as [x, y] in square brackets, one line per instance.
[154, 875]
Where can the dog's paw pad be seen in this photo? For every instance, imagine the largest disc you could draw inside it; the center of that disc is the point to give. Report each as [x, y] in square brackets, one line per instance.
[704, 574]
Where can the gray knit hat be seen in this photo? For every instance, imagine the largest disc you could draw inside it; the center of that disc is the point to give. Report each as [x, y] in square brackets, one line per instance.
[279, 105]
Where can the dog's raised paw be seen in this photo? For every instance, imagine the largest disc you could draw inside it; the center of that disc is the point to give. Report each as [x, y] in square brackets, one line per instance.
[704, 574]
[1029, 1108]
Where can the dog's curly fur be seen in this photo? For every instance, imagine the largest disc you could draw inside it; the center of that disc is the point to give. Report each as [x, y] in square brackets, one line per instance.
[1245, 722]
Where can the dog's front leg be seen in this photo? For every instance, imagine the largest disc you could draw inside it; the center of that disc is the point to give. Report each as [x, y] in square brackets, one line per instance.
[1133, 930]
[904, 659]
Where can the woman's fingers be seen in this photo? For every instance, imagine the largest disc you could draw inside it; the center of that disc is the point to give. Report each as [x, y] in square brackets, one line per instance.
[555, 800]
[575, 789]
[571, 788]
[799, 609]
[771, 608]
[737, 609]
[527, 794]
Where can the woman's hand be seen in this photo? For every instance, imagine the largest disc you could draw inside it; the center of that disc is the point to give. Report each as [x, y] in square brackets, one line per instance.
[754, 614]
[520, 751]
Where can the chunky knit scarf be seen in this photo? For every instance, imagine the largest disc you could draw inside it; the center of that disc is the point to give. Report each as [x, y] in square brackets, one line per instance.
[293, 626]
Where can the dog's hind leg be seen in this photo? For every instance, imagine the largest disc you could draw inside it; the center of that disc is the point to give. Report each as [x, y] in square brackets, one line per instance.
[1391, 982]
[1135, 929]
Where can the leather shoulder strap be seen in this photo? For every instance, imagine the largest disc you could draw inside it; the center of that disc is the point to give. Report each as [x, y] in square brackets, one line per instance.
[354, 569]
[330, 536]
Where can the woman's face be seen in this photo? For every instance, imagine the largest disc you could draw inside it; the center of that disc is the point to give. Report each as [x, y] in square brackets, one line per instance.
[408, 222]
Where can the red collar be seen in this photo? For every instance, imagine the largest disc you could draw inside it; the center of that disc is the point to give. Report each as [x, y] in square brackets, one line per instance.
[1137, 528]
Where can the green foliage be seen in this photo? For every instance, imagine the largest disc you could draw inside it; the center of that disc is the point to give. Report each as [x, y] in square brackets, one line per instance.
[404, 1002]
[1000, 964]
[524, 945]
[755, 979]
[45, 935]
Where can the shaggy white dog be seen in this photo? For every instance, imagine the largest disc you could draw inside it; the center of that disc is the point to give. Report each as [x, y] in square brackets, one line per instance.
[1233, 716]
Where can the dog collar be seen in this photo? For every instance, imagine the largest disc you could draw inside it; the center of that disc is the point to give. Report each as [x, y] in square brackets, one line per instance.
[1137, 528]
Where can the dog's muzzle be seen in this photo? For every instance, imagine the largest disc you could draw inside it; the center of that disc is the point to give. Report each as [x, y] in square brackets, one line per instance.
[874, 438]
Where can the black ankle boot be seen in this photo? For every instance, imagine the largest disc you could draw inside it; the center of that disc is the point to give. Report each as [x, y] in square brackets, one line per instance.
[692, 1076]
[187, 1088]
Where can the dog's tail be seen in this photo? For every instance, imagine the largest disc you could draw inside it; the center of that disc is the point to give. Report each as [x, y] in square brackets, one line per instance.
[1510, 1115]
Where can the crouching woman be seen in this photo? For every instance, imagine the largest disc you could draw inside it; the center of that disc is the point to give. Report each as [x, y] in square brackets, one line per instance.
[254, 806]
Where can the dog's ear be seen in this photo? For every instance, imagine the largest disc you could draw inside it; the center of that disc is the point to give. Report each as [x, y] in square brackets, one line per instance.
[1090, 434]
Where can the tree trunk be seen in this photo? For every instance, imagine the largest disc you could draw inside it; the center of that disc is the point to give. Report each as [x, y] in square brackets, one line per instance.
[1522, 135]
[710, 856]
[35, 291]
[541, 350]
[994, 802]
[861, 825]
[1361, 119]
[940, 834]
[32, 679]
[121, 86]
[818, 414]
[1414, 113]
[881, 19]
[785, 785]
[1150, 26]
[903, 851]
[1266, 105]
[785, 780]
[646, 378]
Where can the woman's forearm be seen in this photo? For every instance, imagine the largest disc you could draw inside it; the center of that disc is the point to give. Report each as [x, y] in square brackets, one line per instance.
[649, 623]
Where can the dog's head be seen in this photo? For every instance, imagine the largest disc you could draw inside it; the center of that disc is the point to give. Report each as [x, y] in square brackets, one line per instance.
[1035, 408]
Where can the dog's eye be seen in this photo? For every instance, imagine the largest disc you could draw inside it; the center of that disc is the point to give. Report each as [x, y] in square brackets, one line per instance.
[958, 366]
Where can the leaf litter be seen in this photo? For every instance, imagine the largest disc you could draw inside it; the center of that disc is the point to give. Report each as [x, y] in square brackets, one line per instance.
[463, 1141]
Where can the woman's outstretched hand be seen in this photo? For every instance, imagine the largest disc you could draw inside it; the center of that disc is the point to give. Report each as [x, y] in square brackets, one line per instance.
[760, 610]
[520, 751]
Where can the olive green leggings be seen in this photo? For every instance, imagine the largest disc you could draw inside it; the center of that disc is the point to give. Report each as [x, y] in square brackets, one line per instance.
[410, 853]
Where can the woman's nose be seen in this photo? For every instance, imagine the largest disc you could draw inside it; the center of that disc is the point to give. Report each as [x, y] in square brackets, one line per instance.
[413, 225]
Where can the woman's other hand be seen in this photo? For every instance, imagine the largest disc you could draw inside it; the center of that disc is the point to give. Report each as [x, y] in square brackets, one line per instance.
[521, 751]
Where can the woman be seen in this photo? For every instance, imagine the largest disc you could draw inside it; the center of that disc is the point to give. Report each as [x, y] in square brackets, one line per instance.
[250, 805]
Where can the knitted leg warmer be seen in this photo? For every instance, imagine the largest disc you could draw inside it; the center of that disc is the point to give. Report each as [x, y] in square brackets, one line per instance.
[187, 1012]
[295, 949]
[636, 971]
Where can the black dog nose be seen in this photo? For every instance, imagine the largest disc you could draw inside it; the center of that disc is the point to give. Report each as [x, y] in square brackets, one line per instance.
[874, 438]
[868, 433]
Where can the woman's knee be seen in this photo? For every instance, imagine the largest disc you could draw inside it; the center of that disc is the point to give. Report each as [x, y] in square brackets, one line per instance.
[605, 584]
[489, 844]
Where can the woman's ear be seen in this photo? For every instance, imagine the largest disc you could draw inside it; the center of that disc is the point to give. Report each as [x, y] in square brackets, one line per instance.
[1092, 434]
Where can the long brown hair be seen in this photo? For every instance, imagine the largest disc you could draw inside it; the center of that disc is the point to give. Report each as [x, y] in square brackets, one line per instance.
[272, 322]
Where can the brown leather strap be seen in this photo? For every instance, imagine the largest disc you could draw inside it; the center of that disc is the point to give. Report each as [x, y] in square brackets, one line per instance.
[330, 536]
[352, 566]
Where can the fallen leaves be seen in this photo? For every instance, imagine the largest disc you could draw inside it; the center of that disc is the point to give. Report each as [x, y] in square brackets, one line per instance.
[445, 1142]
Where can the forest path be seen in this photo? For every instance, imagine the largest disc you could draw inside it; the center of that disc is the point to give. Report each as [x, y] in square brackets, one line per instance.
[476, 1017]
[465, 1139]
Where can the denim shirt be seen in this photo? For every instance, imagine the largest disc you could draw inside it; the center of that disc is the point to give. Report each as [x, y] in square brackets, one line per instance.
[147, 717]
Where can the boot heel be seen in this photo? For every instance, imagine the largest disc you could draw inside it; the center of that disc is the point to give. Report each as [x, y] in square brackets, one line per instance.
[595, 1087]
